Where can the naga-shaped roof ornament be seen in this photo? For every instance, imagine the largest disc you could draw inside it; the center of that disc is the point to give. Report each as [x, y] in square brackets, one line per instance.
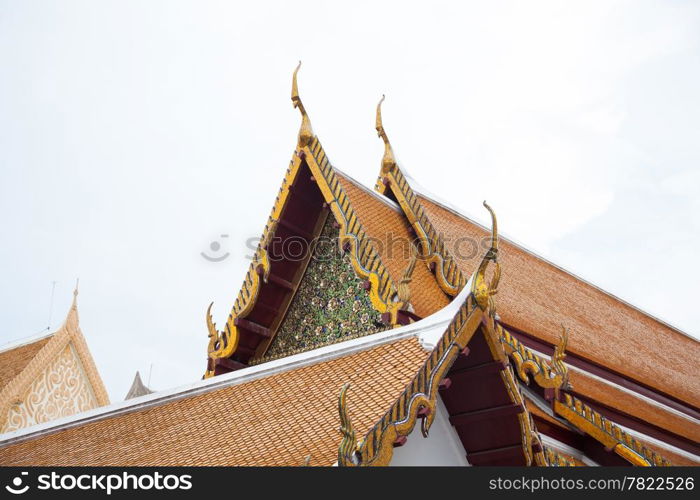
[558, 361]
[348, 450]
[404, 290]
[482, 290]
[305, 131]
[388, 160]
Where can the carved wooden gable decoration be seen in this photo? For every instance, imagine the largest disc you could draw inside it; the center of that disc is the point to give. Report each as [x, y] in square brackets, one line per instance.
[60, 380]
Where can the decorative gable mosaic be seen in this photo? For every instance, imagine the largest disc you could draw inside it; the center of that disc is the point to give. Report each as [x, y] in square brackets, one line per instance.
[330, 305]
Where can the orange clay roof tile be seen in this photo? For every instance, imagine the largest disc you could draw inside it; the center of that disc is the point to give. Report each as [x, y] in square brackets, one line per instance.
[390, 234]
[13, 361]
[537, 297]
[276, 420]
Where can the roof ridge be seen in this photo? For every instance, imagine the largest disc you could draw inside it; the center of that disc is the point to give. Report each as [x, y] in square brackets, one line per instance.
[607, 432]
[371, 192]
[424, 193]
[435, 253]
[420, 190]
[248, 374]
[469, 313]
[21, 342]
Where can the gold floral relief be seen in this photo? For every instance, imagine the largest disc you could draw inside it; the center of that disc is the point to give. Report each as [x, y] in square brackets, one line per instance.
[330, 304]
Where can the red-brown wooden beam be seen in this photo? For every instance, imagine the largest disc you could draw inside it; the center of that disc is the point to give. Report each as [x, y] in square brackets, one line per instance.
[299, 194]
[252, 327]
[497, 454]
[479, 370]
[245, 351]
[601, 455]
[280, 282]
[487, 413]
[229, 364]
[267, 308]
[296, 229]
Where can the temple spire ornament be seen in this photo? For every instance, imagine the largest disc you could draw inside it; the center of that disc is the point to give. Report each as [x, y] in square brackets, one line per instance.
[558, 361]
[347, 451]
[138, 388]
[305, 131]
[72, 318]
[483, 291]
[388, 160]
[75, 293]
[404, 290]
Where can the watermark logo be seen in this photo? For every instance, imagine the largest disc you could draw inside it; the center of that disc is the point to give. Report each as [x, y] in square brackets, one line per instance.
[17, 488]
[323, 248]
[215, 247]
[114, 482]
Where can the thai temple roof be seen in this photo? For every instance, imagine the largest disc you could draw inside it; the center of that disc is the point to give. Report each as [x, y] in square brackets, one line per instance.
[56, 370]
[515, 359]
[265, 413]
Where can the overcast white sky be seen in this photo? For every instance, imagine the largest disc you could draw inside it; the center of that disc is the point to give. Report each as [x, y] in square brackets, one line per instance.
[132, 134]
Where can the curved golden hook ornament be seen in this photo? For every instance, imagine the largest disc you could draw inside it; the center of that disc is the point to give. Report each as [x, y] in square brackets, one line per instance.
[404, 290]
[221, 344]
[388, 160]
[494, 231]
[482, 290]
[528, 364]
[213, 332]
[347, 451]
[558, 360]
[305, 131]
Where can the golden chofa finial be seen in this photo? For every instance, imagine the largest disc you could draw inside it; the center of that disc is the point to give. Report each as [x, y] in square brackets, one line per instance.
[347, 451]
[558, 360]
[483, 291]
[404, 285]
[494, 230]
[305, 132]
[388, 160]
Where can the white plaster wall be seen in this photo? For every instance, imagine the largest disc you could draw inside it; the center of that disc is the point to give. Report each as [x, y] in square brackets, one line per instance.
[441, 447]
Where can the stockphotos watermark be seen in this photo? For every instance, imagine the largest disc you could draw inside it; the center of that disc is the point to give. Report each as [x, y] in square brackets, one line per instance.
[100, 483]
[392, 245]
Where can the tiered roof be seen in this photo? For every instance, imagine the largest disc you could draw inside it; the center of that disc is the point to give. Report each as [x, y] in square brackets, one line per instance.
[517, 390]
[263, 415]
[540, 297]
